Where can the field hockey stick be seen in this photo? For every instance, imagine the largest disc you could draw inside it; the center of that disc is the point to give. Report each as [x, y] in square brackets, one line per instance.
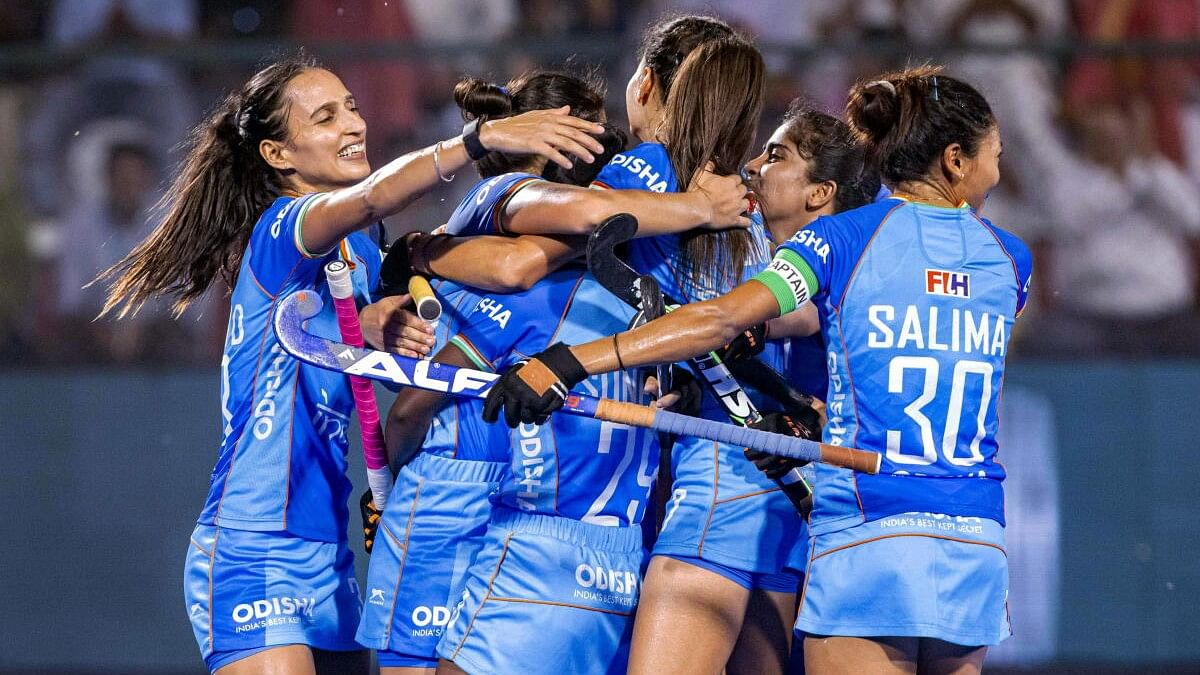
[379, 475]
[642, 292]
[293, 310]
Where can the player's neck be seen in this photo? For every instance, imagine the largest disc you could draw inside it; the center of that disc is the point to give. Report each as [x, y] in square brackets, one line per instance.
[928, 192]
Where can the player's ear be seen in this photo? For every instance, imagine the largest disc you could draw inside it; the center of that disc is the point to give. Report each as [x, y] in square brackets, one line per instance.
[275, 154]
[954, 162]
[820, 195]
[646, 85]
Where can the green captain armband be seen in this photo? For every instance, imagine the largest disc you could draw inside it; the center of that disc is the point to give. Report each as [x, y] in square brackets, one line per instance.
[789, 279]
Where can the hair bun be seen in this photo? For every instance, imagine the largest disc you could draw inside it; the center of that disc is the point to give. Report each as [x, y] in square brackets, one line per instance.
[874, 108]
[478, 98]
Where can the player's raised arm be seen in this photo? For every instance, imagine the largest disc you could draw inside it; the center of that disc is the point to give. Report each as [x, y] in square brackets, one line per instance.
[549, 133]
[692, 330]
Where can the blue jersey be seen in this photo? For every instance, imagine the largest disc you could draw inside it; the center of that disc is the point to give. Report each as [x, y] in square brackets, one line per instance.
[916, 303]
[482, 209]
[457, 429]
[648, 167]
[282, 463]
[575, 467]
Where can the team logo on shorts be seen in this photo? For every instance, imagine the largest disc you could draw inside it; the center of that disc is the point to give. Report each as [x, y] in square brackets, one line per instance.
[953, 284]
[376, 597]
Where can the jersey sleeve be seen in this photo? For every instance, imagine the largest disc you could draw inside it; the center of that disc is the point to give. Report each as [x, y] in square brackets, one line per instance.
[497, 329]
[276, 248]
[481, 210]
[645, 167]
[801, 268]
[1022, 260]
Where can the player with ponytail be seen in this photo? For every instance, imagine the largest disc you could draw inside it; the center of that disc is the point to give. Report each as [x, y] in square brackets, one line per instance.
[915, 296]
[275, 184]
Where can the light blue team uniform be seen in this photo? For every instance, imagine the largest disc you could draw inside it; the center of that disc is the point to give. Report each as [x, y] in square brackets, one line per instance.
[268, 563]
[439, 507]
[555, 583]
[434, 520]
[723, 515]
[917, 303]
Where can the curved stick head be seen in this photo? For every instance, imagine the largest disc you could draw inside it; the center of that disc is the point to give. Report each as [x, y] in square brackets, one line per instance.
[613, 273]
[290, 315]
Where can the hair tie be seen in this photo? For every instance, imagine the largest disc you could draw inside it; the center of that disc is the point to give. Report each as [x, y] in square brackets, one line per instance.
[503, 90]
[885, 84]
[936, 96]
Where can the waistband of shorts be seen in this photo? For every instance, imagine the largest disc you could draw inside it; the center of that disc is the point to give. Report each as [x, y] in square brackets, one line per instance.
[620, 539]
[436, 467]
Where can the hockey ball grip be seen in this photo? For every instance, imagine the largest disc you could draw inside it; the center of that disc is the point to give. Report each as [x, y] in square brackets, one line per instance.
[379, 475]
[428, 306]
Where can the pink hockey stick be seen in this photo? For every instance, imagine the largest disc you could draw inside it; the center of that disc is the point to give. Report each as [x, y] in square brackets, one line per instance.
[379, 476]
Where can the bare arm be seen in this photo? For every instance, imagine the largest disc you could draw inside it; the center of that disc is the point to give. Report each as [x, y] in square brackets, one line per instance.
[690, 331]
[410, 415]
[549, 133]
[499, 264]
[552, 208]
[800, 323]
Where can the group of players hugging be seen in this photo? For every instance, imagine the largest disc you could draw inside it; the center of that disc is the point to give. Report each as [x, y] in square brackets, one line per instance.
[851, 256]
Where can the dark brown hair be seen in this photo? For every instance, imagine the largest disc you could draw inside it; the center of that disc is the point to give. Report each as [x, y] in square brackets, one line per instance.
[908, 118]
[833, 154]
[222, 188]
[540, 90]
[714, 97]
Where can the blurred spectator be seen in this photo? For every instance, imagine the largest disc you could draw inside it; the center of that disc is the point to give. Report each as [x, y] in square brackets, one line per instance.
[1165, 82]
[113, 86]
[117, 171]
[1121, 227]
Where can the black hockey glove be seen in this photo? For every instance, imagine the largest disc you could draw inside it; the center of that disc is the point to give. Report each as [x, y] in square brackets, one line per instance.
[370, 517]
[682, 382]
[397, 267]
[745, 346]
[805, 423]
[531, 390]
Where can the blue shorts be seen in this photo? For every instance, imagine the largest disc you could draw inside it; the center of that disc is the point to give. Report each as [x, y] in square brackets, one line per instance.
[547, 595]
[909, 575]
[430, 532]
[781, 582]
[246, 591]
[725, 511]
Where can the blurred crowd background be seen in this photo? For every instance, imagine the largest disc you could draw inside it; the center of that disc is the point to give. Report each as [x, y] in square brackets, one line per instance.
[1099, 102]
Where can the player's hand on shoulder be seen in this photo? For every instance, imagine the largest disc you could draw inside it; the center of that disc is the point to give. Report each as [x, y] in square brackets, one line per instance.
[725, 196]
[552, 133]
[530, 390]
[389, 325]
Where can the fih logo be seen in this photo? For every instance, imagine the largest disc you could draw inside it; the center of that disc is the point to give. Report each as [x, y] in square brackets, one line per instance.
[953, 284]
[279, 606]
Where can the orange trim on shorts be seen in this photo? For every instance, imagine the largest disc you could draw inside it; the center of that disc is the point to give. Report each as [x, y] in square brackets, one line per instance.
[404, 546]
[212, 561]
[749, 494]
[904, 534]
[563, 604]
[712, 507]
[486, 597]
